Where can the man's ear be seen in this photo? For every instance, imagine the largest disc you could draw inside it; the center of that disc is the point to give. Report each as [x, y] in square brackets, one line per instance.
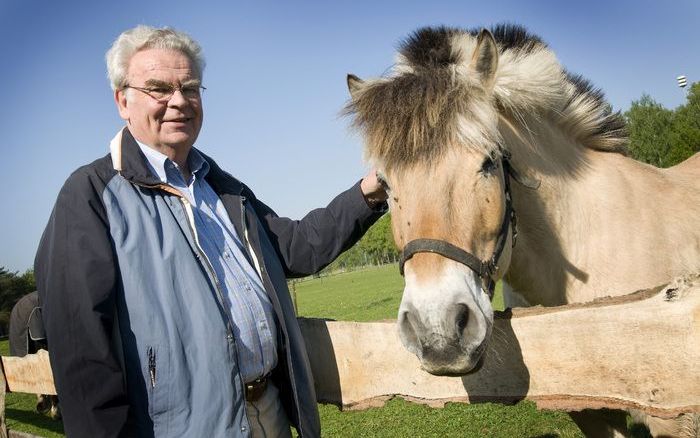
[122, 103]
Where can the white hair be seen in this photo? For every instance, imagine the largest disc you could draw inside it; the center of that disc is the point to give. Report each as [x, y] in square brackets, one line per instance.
[146, 37]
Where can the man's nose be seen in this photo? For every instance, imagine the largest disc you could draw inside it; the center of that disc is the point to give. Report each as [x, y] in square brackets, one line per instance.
[178, 99]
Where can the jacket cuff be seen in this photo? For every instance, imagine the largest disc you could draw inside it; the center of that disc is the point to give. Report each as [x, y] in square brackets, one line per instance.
[379, 207]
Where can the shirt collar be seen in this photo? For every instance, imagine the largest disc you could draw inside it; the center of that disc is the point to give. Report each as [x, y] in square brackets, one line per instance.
[158, 163]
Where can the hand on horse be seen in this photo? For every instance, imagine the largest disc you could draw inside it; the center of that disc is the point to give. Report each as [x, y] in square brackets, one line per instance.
[373, 189]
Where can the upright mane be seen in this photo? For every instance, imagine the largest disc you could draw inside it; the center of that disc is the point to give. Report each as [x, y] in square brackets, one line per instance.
[432, 98]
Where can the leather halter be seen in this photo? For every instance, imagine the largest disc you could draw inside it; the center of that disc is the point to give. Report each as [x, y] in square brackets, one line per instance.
[485, 269]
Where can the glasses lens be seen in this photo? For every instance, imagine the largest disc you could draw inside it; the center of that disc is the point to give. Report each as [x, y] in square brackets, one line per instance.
[191, 92]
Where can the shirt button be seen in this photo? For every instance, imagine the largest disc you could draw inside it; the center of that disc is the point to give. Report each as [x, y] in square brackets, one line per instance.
[243, 429]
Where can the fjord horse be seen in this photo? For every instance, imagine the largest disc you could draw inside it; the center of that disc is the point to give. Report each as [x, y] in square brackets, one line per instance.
[480, 136]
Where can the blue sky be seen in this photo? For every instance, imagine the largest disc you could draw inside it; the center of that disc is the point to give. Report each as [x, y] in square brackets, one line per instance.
[276, 83]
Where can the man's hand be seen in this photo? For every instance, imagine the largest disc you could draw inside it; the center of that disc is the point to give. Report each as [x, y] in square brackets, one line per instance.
[373, 189]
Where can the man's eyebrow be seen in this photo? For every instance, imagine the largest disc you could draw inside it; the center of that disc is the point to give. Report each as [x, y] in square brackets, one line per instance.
[191, 83]
[157, 83]
[163, 84]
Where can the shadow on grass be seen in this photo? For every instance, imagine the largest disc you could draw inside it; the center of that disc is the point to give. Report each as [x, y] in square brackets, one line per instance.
[32, 420]
[502, 376]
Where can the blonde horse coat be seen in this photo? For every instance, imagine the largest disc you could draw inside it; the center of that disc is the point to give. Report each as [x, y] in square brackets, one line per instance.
[599, 224]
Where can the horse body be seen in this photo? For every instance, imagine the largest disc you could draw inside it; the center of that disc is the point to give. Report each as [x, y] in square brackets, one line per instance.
[615, 227]
[457, 130]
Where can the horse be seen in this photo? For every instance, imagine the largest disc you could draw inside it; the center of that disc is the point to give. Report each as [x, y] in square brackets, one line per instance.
[502, 165]
[27, 336]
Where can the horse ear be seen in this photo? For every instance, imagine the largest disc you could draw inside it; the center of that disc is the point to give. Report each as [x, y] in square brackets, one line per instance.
[355, 84]
[485, 58]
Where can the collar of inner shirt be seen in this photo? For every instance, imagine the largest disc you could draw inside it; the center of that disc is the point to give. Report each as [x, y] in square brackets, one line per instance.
[158, 163]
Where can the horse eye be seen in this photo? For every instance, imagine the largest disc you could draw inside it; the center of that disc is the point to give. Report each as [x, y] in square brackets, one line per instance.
[489, 166]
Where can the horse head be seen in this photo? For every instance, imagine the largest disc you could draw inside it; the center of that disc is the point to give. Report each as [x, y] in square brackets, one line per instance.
[431, 130]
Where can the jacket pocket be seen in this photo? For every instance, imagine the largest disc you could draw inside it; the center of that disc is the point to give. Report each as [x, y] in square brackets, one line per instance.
[156, 372]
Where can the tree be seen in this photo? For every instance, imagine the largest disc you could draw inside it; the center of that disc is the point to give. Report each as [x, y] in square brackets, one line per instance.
[376, 247]
[649, 128]
[685, 130]
[663, 137]
[12, 288]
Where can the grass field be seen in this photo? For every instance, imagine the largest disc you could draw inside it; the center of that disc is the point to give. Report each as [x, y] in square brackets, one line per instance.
[367, 295]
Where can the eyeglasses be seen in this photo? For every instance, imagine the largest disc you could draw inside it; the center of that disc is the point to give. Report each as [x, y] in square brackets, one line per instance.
[164, 92]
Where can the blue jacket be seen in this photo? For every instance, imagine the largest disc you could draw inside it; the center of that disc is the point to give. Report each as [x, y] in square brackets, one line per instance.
[139, 339]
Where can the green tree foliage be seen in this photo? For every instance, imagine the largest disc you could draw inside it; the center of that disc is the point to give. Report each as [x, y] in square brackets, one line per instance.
[663, 137]
[375, 248]
[685, 132]
[649, 125]
[12, 287]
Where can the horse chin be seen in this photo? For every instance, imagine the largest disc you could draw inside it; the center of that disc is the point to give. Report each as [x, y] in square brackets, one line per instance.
[468, 363]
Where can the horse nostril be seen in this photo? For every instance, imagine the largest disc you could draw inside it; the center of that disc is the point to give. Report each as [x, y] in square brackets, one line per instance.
[462, 318]
[407, 326]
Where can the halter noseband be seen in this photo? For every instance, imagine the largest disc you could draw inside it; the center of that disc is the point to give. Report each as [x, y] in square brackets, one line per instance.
[486, 270]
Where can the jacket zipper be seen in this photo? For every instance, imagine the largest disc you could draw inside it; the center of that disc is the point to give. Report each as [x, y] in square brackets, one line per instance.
[152, 366]
[261, 269]
[249, 247]
[207, 264]
[200, 252]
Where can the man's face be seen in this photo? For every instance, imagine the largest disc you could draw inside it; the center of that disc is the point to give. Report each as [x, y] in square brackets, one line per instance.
[172, 123]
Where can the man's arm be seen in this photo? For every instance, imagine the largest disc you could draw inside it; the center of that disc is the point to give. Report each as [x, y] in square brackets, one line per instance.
[76, 276]
[308, 245]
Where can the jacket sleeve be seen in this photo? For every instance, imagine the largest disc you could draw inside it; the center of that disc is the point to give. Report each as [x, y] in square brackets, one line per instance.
[308, 245]
[77, 280]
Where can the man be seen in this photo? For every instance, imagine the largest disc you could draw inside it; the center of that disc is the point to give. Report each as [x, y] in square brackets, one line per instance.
[162, 277]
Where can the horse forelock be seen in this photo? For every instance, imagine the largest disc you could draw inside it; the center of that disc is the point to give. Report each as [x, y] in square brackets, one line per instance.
[431, 99]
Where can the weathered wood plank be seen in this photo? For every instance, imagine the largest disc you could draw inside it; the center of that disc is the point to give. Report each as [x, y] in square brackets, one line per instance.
[30, 374]
[641, 351]
[17, 434]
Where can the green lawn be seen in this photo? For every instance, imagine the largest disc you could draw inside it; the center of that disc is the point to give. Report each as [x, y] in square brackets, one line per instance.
[366, 295]
[370, 294]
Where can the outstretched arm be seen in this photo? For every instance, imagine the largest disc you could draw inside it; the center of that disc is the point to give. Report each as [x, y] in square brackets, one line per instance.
[308, 245]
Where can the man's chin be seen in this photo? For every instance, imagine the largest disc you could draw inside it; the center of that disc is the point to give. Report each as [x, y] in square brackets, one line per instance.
[184, 138]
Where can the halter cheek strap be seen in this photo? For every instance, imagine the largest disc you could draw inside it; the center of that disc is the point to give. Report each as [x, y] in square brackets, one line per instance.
[486, 270]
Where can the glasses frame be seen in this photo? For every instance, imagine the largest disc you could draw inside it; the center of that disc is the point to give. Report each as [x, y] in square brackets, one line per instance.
[166, 99]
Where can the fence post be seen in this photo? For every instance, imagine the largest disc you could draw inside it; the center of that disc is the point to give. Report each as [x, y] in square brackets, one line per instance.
[294, 297]
[3, 391]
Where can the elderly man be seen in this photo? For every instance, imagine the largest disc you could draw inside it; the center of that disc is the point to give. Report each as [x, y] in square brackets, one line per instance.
[163, 278]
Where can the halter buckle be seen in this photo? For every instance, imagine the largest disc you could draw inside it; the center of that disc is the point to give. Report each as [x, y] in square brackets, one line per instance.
[491, 269]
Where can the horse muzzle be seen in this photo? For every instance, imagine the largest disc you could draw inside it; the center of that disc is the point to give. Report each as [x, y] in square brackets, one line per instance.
[448, 342]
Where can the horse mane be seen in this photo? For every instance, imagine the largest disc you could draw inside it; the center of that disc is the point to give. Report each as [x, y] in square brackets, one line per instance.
[431, 98]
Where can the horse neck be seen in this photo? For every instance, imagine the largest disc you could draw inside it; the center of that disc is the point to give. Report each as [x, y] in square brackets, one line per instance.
[565, 245]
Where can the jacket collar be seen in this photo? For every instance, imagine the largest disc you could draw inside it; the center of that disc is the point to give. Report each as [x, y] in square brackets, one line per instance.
[131, 163]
